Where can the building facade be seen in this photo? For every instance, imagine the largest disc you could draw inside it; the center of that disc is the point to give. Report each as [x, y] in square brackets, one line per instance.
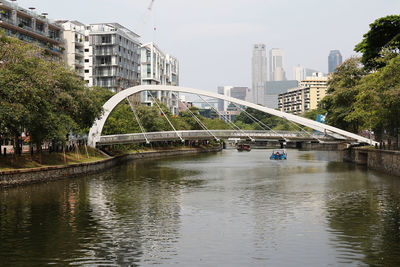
[276, 63]
[306, 97]
[259, 73]
[334, 60]
[30, 27]
[111, 56]
[74, 36]
[158, 68]
[241, 93]
[274, 88]
[226, 91]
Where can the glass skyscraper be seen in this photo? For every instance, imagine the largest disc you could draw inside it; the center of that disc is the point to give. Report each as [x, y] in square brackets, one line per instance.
[334, 60]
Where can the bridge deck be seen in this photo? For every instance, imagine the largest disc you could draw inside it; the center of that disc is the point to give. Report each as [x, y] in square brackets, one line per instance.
[221, 134]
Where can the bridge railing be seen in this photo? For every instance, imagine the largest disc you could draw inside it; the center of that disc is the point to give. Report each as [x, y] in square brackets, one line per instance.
[200, 134]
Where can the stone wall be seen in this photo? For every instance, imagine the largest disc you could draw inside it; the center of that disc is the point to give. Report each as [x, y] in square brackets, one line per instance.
[46, 174]
[385, 161]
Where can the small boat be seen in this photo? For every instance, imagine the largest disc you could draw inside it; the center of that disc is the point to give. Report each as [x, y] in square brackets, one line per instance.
[243, 147]
[278, 154]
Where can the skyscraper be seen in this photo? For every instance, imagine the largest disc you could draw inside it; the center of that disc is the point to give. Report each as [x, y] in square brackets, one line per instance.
[226, 91]
[299, 73]
[276, 62]
[259, 73]
[334, 60]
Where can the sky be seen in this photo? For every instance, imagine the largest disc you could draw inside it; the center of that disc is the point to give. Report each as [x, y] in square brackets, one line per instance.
[213, 39]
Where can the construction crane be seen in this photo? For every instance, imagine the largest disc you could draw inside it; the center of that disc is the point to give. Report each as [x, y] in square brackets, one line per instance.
[151, 5]
[146, 16]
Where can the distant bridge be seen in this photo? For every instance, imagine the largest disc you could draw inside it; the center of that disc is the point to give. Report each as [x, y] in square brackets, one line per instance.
[331, 132]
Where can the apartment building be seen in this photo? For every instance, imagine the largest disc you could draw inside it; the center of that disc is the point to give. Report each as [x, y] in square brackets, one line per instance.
[74, 36]
[111, 56]
[158, 68]
[306, 97]
[30, 27]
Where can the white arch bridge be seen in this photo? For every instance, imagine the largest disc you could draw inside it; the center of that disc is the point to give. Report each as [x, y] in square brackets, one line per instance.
[329, 133]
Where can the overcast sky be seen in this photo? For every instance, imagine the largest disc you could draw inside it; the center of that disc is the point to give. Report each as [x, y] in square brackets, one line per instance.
[213, 39]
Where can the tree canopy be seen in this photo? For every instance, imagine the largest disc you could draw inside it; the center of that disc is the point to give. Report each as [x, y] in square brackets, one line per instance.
[40, 96]
[339, 103]
[382, 38]
[273, 122]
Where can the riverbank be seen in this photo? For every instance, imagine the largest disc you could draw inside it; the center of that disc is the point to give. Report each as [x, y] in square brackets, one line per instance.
[18, 177]
[385, 161]
[45, 159]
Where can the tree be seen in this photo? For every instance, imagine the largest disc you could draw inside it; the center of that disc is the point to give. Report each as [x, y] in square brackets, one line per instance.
[40, 96]
[273, 122]
[377, 104]
[383, 37]
[342, 92]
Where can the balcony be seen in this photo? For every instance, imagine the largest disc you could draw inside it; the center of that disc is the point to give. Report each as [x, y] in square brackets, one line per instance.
[28, 30]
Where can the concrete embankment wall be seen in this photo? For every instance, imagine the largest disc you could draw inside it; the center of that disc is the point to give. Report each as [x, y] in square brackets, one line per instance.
[385, 161]
[321, 146]
[46, 174]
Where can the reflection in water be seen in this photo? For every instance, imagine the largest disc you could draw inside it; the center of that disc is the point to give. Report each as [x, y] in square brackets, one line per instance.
[230, 208]
[363, 213]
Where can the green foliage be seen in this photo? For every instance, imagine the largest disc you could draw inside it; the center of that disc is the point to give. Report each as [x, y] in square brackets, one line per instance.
[123, 121]
[41, 96]
[339, 103]
[216, 124]
[383, 37]
[271, 121]
[378, 103]
[358, 100]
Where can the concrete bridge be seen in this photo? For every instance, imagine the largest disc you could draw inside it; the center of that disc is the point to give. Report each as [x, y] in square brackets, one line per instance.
[95, 138]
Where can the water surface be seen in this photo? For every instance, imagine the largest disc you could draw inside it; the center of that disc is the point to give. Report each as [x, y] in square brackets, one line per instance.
[226, 209]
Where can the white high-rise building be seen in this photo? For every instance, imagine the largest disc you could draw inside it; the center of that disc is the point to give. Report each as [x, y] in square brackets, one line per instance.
[276, 63]
[259, 73]
[74, 36]
[30, 27]
[299, 73]
[159, 69]
[111, 56]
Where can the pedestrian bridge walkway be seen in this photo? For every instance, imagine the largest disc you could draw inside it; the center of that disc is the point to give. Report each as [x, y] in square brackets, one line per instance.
[300, 136]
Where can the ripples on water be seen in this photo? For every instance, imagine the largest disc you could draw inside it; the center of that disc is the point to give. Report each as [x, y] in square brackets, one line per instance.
[226, 209]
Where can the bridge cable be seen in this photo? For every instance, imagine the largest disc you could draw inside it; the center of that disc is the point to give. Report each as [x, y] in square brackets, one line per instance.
[302, 129]
[155, 101]
[258, 122]
[197, 119]
[227, 119]
[137, 118]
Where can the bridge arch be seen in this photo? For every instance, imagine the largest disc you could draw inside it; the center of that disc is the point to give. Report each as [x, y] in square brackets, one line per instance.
[97, 128]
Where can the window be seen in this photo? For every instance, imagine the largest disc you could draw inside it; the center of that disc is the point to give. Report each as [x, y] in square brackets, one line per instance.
[105, 60]
[87, 81]
[86, 60]
[86, 38]
[106, 39]
[86, 49]
[86, 71]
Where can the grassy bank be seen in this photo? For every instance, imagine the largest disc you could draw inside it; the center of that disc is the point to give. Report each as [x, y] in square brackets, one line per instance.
[45, 159]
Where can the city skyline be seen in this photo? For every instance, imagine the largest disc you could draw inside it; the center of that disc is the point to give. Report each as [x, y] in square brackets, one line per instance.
[199, 31]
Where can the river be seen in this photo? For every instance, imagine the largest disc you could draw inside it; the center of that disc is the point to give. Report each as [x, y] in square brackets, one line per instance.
[225, 209]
